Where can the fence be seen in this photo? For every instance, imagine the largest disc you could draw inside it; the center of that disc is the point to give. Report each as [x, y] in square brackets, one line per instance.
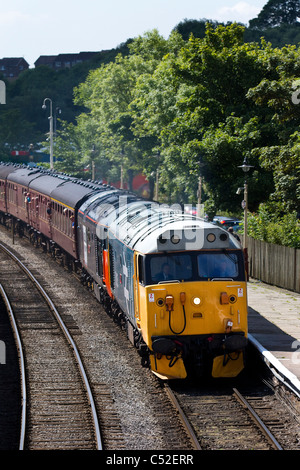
[274, 264]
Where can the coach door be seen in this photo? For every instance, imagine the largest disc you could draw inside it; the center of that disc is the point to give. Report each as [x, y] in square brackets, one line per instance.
[35, 211]
[30, 202]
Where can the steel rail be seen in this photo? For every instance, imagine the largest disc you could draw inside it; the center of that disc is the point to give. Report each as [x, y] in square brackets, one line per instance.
[257, 420]
[183, 418]
[69, 339]
[22, 366]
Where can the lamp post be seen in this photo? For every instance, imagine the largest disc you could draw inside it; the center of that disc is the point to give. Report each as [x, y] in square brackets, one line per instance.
[50, 129]
[245, 167]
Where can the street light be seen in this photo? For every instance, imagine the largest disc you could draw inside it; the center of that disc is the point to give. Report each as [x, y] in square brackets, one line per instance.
[51, 129]
[245, 167]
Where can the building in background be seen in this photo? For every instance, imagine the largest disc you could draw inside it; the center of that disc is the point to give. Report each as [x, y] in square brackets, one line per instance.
[64, 61]
[11, 67]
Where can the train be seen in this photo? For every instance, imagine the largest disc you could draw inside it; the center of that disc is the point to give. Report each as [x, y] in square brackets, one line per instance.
[175, 283]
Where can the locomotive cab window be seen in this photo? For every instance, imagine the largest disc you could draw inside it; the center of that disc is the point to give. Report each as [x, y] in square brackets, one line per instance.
[140, 264]
[194, 266]
[219, 265]
[171, 267]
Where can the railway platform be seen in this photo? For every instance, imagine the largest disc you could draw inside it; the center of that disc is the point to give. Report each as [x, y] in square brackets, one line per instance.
[274, 329]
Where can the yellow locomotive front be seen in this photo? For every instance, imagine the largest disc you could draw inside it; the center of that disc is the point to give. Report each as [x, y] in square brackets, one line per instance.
[191, 304]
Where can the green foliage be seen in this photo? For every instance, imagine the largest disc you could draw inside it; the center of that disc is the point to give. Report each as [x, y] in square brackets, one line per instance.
[197, 107]
[22, 119]
[269, 225]
[278, 36]
[277, 12]
[185, 106]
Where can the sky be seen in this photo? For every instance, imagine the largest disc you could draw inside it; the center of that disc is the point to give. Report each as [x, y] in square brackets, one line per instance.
[37, 27]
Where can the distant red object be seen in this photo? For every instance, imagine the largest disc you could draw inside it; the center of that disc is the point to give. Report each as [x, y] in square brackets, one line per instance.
[16, 153]
[140, 184]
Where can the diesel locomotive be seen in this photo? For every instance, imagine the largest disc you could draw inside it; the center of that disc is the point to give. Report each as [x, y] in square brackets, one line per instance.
[175, 283]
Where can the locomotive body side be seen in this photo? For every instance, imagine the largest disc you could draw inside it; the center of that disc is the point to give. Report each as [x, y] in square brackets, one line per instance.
[195, 320]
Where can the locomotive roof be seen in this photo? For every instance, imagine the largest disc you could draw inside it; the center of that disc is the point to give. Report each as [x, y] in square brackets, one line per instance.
[148, 227]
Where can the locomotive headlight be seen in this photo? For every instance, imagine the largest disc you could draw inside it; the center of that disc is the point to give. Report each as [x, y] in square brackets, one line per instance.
[196, 301]
[175, 239]
[211, 237]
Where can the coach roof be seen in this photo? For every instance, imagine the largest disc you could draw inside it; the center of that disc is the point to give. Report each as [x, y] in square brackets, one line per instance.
[73, 193]
[23, 176]
[6, 169]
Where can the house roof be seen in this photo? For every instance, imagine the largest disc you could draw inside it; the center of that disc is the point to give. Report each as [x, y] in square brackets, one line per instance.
[52, 60]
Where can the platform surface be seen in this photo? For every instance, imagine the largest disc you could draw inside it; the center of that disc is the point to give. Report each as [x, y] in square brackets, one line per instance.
[274, 321]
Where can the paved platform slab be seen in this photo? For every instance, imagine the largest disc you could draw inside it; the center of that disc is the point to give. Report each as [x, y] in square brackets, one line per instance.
[274, 321]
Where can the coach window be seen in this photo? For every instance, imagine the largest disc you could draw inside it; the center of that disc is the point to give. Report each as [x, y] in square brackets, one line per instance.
[55, 214]
[41, 206]
[61, 221]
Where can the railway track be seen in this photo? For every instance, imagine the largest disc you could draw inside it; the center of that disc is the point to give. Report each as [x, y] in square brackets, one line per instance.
[133, 413]
[227, 420]
[135, 416]
[58, 406]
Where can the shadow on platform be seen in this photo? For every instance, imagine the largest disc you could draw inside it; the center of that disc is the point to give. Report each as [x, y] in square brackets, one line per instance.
[268, 334]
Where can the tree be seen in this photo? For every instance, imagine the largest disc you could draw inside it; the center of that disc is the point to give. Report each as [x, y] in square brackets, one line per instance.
[196, 107]
[277, 98]
[277, 13]
[108, 94]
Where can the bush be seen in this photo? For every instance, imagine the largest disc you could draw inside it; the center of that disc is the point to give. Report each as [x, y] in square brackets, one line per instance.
[274, 228]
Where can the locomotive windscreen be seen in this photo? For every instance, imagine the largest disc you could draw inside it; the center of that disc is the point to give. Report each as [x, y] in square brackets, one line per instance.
[218, 265]
[192, 266]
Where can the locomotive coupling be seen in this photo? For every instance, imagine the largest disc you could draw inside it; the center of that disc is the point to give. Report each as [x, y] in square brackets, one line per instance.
[237, 342]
